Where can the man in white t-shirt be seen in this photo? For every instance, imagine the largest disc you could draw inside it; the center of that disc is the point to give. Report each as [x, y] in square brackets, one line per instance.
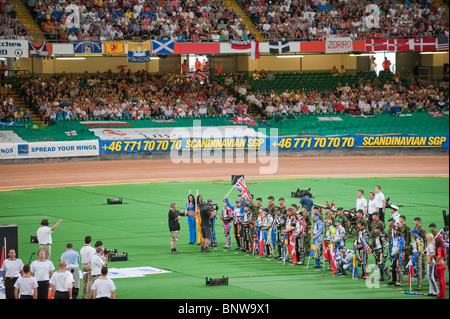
[371, 208]
[381, 202]
[86, 253]
[42, 270]
[61, 283]
[103, 287]
[361, 202]
[26, 286]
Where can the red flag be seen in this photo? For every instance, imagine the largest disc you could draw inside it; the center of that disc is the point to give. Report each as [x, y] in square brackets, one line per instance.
[326, 251]
[333, 259]
[424, 44]
[398, 45]
[292, 249]
[410, 273]
[373, 45]
[261, 245]
[2, 259]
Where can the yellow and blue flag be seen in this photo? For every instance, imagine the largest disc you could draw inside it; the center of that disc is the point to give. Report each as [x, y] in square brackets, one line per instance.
[138, 52]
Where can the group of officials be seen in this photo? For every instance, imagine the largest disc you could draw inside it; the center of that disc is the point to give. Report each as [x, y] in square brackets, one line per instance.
[301, 231]
[39, 280]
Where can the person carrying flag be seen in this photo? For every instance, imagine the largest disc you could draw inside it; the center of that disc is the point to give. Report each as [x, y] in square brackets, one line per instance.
[227, 218]
[288, 230]
[362, 246]
[299, 234]
[397, 255]
[317, 240]
[280, 222]
[381, 252]
[417, 257]
[238, 212]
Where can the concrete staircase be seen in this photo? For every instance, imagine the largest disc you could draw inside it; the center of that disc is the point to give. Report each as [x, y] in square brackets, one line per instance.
[232, 5]
[26, 19]
[4, 91]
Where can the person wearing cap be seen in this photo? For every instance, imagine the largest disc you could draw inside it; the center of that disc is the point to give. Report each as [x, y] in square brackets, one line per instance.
[345, 223]
[391, 228]
[359, 215]
[329, 234]
[307, 218]
[397, 255]
[375, 222]
[299, 235]
[44, 236]
[395, 214]
[316, 209]
[417, 257]
[381, 251]
[238, 212]
[247, 224]
[418, 226]
[280, 222]
[254, 208]
[329, 213]
[289, 227]
[271, 205]
[318, 238]
[344, 261]
[227, 218]
[339, 235]
[432, 228]
[407, 237]
[281, 205]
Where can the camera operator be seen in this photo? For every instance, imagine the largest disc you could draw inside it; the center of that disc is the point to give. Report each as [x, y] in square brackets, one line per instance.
[207, 212]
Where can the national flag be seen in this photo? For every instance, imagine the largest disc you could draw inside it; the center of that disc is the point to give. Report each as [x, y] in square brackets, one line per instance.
[255, 242]
[242, 188]
[262, 123]
[355, 265]
[291, 249]
[366, 246]
[163, 46]
[247, 120]
[261, 243]
[424, 44]
[40, 49]
[436, 114]
[253, 45]
[286, 245]
[87, 47]
[442, 44]
[398, 45]
[114, 47]
[410, 268]
[326, 251]
[71, 133]
[279, 46]
[164, 121]
[313, 253]
[197, 75]
[374, 45]
[2, 257]
[441, 234]
[333, 259]
[138, 52]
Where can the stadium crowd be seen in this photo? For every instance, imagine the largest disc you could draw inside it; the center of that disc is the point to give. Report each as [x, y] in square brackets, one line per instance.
[191, 20]
[318, 19]
[108, 95]
[10, 25]
[368, 97]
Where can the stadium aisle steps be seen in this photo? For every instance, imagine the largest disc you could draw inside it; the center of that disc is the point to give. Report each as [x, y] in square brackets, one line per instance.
[232, 4]
[25, 18]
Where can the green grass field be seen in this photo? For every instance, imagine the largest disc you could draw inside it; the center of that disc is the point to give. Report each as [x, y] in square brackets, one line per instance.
[140, 227]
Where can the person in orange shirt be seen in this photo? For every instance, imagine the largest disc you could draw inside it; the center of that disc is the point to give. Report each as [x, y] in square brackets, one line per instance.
[185, 67]
[386, 64]
[219, 68]
[198, 65]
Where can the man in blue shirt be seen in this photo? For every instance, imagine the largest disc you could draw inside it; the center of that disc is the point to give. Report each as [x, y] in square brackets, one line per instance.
[72, 259]
[307, 201]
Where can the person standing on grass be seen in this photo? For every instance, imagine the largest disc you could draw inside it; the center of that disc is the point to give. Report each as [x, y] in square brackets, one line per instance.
[174, 226]
[440, 266]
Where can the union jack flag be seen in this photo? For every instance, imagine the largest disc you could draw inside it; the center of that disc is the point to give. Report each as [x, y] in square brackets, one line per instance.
[242, 188]
[436, 114]
[197, 75]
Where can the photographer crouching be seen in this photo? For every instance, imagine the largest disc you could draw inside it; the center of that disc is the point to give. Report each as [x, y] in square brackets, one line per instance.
[207, 213]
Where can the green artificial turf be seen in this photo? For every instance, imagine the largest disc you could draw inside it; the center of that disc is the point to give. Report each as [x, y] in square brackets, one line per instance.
[139, 227]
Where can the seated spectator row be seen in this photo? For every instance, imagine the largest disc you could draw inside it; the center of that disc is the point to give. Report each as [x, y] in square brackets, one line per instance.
[318, 19]
[190, 20]
[368, 96]
[10, 26]
[9, 111]
[107, 95]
